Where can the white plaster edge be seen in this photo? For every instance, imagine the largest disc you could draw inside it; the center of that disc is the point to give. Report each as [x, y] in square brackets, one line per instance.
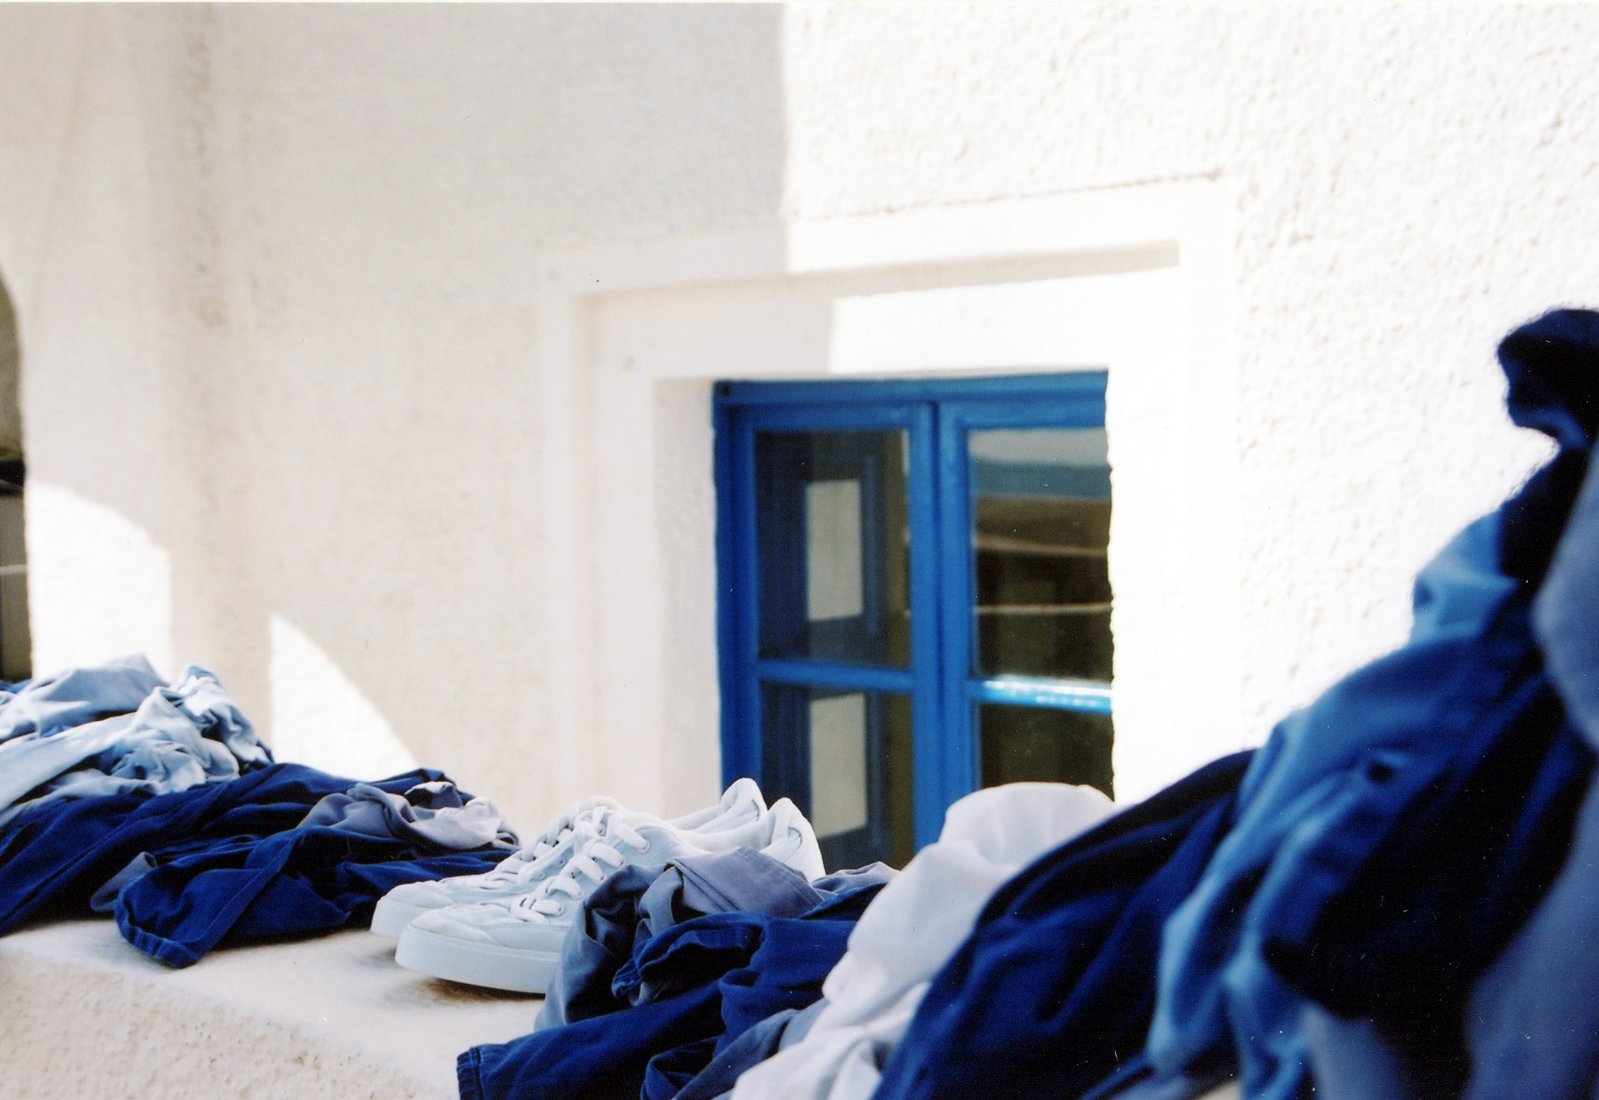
[1195, 220]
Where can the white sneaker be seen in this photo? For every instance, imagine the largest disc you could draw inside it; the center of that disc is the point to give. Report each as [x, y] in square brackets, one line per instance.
[515, 944]
[534, 863]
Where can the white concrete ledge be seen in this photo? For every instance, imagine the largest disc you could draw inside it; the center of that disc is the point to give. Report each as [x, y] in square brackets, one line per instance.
[88, 1017]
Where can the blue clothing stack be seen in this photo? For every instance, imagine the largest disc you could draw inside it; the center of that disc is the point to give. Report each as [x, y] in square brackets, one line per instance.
[683, 977]
[159, 804]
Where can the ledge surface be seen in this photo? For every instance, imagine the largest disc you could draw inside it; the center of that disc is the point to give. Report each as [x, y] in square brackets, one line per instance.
[89, 1017]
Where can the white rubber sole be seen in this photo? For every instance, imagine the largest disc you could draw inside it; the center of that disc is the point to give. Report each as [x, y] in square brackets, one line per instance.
[488, 965]
[392, 915]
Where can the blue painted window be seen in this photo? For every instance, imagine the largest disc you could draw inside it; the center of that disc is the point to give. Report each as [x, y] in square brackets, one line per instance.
[914, 599]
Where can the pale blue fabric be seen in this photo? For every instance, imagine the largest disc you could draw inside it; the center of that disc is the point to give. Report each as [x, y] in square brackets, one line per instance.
[179, 737]
[1311, 774]
[1351, 1059]
[1533, 1020]
[76, 696]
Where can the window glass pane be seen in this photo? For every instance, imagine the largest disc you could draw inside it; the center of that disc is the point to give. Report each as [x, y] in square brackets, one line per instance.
[838, 764]
[1041, 511]
[833, 550]
[15, 647]
[845, 758]
[1037, 744]
[830, 531]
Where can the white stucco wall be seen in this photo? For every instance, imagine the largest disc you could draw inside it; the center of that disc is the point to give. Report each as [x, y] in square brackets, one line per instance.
[288, 412]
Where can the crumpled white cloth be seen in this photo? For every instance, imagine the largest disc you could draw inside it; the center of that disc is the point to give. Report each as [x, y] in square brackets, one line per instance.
[909, 932]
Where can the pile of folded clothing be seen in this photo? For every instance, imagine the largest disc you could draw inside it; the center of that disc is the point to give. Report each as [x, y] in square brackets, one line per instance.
[156, 802]
[676, 954]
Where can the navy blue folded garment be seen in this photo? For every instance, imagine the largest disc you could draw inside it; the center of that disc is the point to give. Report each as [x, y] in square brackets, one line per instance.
[695, 988]
[53, 859]
[293, 883]
[1055, 985]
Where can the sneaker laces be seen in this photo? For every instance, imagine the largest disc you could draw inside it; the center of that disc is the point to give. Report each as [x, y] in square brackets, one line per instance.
[524, 862]
[597, 857]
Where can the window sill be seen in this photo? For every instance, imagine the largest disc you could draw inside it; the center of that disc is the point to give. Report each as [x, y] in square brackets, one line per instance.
[90, 1017]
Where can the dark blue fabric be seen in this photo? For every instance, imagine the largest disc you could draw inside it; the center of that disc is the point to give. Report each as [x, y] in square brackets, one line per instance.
[55, 856]
[604, 1058]
[635, 904]
[1334, 774]
[1135, 1079]
[694, 988]
[1402, 905]
[311, 879]
[1397, 934]
[1055, 984]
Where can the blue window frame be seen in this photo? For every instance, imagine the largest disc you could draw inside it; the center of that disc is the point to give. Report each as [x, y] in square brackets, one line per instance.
[913, 595]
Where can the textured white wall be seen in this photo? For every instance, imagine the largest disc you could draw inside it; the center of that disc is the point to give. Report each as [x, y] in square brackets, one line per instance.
[274, 266]
[1411, 183]
[273, 280]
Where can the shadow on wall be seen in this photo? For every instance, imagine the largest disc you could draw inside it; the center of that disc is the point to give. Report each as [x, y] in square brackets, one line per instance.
[337, 213]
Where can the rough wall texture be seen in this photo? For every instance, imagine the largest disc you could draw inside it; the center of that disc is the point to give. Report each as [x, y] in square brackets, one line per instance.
[1411, 185]
[272, 269]
[276, 267]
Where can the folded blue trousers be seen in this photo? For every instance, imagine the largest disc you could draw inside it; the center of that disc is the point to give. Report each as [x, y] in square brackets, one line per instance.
[291, 883]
